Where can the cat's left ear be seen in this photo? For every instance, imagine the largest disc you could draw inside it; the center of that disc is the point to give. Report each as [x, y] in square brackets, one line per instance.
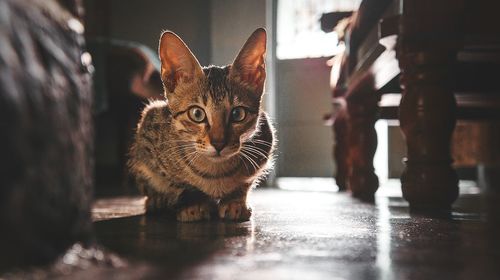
[178, 64]
[249, 67]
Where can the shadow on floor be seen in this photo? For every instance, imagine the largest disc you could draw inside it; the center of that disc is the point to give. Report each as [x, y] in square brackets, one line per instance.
[169, 245]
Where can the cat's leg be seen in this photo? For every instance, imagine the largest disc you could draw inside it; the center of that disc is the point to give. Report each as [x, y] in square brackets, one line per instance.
[194, 213]
[234, 207]
[184, 202]
[158, 202]
[193, 205]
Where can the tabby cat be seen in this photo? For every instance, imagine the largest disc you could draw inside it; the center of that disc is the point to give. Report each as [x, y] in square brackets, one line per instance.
[199, 153]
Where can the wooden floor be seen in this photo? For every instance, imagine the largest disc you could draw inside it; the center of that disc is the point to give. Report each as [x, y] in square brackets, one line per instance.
[301, 235]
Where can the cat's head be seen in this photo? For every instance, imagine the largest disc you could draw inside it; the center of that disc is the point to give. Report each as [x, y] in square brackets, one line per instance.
[214, 108]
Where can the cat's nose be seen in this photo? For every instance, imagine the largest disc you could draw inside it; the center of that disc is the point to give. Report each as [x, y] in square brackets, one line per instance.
[219, 145]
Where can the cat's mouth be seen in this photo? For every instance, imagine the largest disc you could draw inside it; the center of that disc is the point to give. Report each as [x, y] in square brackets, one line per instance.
[223, 155]
[217, 158]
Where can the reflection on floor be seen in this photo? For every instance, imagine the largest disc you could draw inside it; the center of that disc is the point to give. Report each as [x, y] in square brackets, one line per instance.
[308, 235]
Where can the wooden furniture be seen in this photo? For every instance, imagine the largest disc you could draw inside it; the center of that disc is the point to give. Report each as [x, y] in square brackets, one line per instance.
[126, 76]
[443, 57]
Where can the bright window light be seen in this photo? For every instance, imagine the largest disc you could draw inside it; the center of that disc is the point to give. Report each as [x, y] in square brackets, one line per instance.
[299, 33]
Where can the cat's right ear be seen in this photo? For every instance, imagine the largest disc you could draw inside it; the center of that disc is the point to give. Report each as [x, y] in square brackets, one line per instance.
[178, 64]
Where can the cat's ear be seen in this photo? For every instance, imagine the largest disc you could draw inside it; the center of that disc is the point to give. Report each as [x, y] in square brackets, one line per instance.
[249, 67]
[178, 64]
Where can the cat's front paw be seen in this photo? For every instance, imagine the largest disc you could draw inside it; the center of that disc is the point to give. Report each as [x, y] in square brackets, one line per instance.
[194, 213]
[235, 211]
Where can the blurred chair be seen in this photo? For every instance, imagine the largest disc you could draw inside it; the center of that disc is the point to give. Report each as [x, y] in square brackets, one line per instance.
[127, 75]
[427, 64]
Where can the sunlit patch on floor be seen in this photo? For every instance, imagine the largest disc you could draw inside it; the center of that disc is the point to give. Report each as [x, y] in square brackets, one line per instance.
[120, 207]
[313, 184]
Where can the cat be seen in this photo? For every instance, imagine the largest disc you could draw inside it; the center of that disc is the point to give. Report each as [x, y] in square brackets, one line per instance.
[199, 153]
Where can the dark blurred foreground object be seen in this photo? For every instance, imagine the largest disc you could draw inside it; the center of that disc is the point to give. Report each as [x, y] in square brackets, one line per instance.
[441, 59]
[127, 75]
[46, 143]
[330, 20]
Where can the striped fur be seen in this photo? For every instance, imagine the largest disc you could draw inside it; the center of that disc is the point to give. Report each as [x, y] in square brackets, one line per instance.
[173, 157]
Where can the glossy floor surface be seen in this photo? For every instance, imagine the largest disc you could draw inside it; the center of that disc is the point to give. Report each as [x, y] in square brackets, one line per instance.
[293, 234]
[308, 235]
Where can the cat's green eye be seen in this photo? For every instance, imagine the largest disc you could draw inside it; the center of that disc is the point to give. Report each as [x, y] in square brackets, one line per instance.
[238, 114]
[196, 114]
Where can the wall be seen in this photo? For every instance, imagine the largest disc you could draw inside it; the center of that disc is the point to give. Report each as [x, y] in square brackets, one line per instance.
[302, 97]
[397, 151]
[232, 24]
[144, 20]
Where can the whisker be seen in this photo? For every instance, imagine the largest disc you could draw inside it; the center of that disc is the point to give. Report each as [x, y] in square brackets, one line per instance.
[194, 158]
[249, 158]
[265, 151]
[261, 142]
[256, 150]
[244, 163]
[178, 152]
[178, 147]
[185, 157]
[256, 157]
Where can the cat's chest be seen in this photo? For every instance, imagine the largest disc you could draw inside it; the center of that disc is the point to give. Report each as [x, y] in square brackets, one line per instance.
[216, 182]
[218, 189]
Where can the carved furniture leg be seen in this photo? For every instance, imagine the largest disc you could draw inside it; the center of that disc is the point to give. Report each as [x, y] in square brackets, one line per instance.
[340, 148]
[427, 48]
[362, 139]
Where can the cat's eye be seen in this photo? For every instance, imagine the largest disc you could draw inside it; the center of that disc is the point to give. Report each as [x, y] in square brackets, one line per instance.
[238, 114]
[196, 114]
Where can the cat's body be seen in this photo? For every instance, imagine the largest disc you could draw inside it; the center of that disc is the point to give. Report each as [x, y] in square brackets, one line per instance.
[199, 153]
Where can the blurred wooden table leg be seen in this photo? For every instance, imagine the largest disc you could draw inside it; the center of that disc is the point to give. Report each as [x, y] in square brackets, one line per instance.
[427, 47]
[362, 139]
